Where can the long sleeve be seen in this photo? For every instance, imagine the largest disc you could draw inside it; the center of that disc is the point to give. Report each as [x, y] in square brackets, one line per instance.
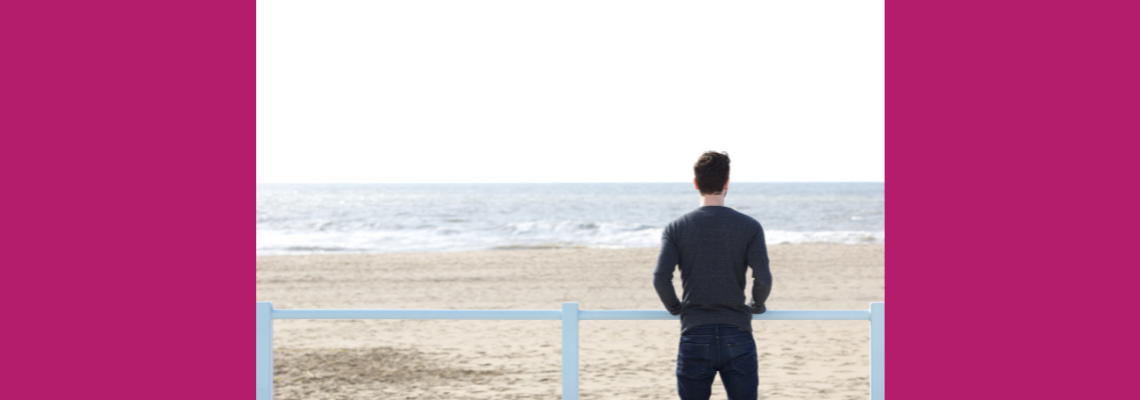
[761, 276]
[663, 274]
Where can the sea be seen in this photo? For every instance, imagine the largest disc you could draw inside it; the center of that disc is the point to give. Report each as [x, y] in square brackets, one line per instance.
[386, 218]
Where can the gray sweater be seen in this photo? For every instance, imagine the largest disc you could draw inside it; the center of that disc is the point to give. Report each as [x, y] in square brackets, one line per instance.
[714, 247]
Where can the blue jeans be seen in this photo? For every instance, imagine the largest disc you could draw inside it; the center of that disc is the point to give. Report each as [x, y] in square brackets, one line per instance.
[706, 349]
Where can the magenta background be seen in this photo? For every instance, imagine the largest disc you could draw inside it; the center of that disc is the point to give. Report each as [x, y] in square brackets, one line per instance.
[128, 152]
[1021, 115]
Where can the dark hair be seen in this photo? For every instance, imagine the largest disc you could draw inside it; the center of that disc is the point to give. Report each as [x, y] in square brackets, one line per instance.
[711, 171]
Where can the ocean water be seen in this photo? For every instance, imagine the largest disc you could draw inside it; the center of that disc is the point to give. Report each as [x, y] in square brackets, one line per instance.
[381, 218]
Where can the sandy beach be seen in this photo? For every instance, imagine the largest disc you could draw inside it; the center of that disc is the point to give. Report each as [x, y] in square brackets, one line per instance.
[406, 359]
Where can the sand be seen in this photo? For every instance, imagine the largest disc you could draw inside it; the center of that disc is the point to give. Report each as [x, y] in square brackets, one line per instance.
[409, 359]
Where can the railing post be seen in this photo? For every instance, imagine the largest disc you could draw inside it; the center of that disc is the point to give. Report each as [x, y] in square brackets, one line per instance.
[569, 351]
[264, 350]
[878, 351]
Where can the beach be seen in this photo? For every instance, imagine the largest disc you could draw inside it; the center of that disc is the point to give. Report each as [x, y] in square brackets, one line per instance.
[441, 359]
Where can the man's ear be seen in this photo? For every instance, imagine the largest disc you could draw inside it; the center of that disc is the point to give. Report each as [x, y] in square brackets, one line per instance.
[726, 185]
[695, 185]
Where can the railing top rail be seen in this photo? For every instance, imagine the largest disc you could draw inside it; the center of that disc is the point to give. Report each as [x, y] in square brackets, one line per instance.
[555, 315]
[551, 315]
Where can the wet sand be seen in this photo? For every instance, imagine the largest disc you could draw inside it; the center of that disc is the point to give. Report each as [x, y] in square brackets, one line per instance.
[409, 359]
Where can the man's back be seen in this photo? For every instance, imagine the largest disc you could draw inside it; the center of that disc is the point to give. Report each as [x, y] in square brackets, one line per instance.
[714, 246]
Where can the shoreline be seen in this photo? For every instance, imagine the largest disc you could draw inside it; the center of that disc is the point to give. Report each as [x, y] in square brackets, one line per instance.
[544, 247]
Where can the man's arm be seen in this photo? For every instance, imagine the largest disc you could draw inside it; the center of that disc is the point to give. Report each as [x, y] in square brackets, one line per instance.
[761, 276]
[663, 275]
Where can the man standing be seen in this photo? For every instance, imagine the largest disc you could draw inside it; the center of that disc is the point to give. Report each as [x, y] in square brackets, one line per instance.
[714, 246]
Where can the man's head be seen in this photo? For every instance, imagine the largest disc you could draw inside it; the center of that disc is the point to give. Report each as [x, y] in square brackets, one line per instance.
[711, 173]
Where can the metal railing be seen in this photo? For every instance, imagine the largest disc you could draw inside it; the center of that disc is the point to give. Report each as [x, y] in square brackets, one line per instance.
[569, 315]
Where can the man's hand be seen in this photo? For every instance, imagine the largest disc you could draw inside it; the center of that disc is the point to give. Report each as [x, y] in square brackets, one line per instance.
[676, 311]
[756, 309]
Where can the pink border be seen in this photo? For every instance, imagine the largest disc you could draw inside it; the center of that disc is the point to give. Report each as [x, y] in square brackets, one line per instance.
[1011, 143]
[128, 151]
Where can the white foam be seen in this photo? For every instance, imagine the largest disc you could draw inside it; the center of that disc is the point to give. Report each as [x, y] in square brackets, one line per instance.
[844, 237]
[535, 234]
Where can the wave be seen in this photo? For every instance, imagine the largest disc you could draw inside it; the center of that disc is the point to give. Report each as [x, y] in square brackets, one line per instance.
[539, 246]
[297, 219]
[537, 235]
[844, 237]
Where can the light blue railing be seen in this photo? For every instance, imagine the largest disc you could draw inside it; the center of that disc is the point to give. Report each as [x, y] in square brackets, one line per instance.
[570, 315]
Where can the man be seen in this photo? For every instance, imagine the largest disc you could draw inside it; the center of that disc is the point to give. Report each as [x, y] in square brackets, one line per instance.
[714, 245]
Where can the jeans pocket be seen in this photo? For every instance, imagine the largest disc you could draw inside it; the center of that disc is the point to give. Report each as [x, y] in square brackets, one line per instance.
[743, 355]
[693, 361]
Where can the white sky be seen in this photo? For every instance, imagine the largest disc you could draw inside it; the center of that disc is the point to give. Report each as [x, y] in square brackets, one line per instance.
[575, 91]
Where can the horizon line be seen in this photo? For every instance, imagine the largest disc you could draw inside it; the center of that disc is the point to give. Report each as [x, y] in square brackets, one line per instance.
[504, 183]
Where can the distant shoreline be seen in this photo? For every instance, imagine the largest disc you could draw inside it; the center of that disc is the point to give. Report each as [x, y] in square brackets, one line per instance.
[540, 249]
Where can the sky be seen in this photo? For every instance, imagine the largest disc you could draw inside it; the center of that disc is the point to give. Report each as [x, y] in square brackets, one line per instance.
[586, 91]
